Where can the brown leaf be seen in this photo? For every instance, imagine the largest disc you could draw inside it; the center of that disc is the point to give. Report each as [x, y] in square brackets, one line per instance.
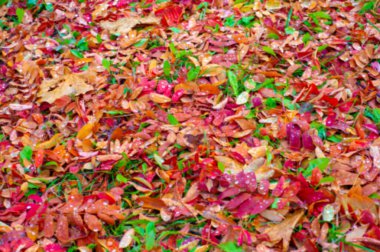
[151, 203]
[124, 25]
[284, 230]
[70, 84]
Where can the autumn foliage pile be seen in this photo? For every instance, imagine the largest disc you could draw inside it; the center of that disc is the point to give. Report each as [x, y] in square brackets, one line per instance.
[189, 126]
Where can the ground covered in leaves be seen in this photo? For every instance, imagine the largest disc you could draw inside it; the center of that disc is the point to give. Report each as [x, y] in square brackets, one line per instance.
[189, 126]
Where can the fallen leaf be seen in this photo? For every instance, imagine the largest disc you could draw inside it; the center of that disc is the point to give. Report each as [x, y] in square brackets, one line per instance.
[283, 230]
[124, 25]
[69, 84]
[127, 238]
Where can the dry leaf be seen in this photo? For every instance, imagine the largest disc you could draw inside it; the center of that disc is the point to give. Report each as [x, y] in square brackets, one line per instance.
[284, 230]
[124, 25]
[127, 238]
[159, 98]
[70, 84]
[85, 131]
[50, 143]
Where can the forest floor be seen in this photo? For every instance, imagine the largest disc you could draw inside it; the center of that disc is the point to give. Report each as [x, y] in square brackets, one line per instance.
[189, 126]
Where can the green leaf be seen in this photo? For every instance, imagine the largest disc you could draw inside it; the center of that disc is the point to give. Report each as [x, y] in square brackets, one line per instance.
[49, 7]
[362, 248]
[221, 166]
[193, 73]
[368, 6]
[77, 53]
[320, 128]
[373, 114]
[175, 29]
[121, 178]
[150, 236]
[335, 138]
[230, 21]
[26, 154]
[269, 50]
[232, 80]
[322, 47]
[84, 68]
[82, 45]
[306, 38]
[328, 179]
[269, 156]
[167, 68]
[230, 247]
[321, 163]
[2, 2]
[275, 203]
[99, 38]
[271, 103]
[51, 163]
[247, 21]
[20, 15]
[31, 3]
[106, 63]
[289, 30]
[202, 5]
[141, 42]
[273, 36]
[290, 13]
[115, 112]
[172, 120]
[319, 15]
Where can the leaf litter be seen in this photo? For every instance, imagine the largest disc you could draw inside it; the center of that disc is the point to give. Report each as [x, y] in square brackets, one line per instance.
[189, 125]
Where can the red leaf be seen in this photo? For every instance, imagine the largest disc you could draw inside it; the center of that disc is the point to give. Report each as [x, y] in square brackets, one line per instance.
[235, 202]
[170, 15]
[254, 205]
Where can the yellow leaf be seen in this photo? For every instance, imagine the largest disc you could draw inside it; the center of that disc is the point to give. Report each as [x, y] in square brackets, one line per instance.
[50, 143]
[85, 131]
[230, 165]
[124, 25]
[70, 84]
[158, 98]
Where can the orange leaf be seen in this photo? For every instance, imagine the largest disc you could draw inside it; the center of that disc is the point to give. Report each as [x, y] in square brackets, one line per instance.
[151, 203]
[85, 131]
[209, 88]
[158, 98]
[39, 158]
[93, 222]
[50, 143]
[49, 226]
[62, 232]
